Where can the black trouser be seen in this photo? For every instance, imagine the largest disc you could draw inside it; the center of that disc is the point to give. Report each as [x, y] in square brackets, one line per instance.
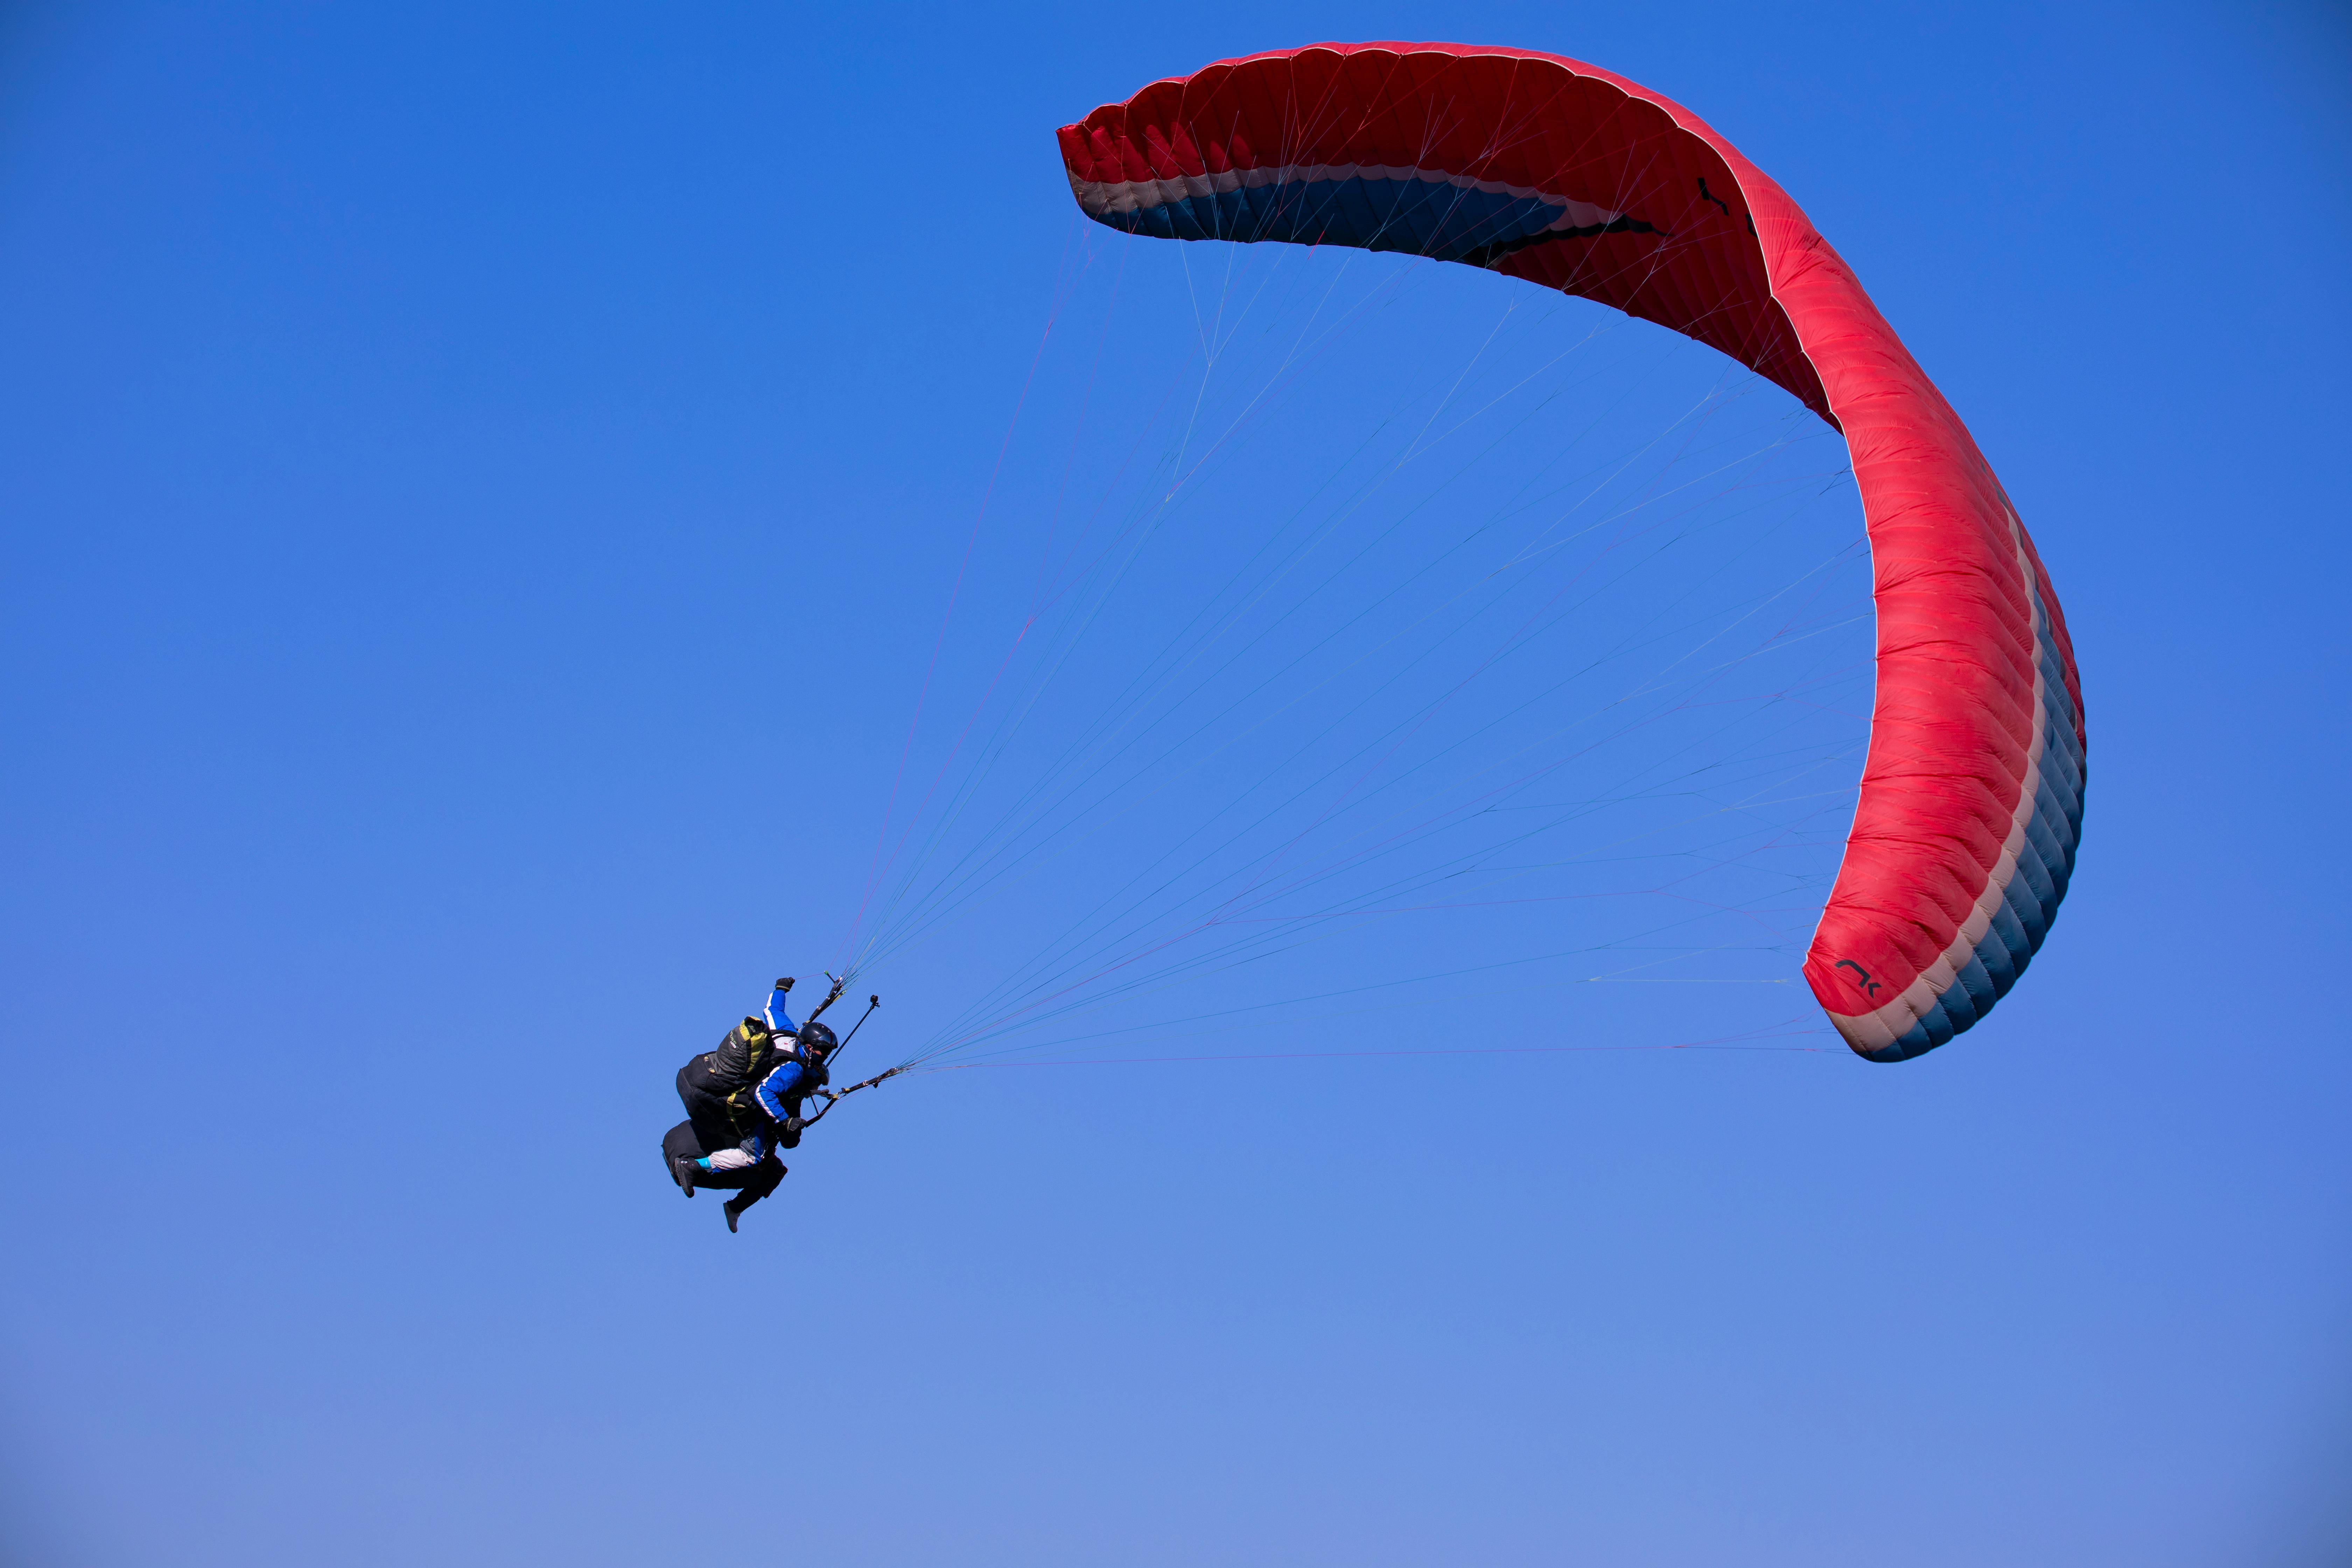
[756, 1181]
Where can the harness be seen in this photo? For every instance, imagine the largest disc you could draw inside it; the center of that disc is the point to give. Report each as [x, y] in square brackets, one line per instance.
[732, 1073]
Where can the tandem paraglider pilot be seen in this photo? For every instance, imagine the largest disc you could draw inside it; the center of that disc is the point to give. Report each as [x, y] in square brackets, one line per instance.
[743, 1102]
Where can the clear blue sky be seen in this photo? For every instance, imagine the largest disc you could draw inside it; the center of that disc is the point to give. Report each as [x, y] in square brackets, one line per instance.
[449, 454]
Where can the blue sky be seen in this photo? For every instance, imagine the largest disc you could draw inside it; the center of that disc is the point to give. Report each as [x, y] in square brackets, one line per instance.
[481, 486]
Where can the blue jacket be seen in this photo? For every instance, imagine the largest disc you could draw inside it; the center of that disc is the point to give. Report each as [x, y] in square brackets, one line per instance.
[778, 1019]
[783, 1084]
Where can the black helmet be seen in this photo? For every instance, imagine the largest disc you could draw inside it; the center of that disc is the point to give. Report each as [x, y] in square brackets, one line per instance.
[815, 1042]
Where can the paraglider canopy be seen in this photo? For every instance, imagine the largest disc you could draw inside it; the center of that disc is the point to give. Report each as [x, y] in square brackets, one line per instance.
[1562, 174]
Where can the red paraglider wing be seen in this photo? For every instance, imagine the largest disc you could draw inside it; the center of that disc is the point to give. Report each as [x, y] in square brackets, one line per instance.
[1565, 175]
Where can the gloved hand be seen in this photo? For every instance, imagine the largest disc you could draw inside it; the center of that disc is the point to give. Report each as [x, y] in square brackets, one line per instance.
[785, 984]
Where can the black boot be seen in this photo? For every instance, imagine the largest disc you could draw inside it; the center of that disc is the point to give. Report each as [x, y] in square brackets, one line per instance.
[734, 1207]
[683, 1171]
